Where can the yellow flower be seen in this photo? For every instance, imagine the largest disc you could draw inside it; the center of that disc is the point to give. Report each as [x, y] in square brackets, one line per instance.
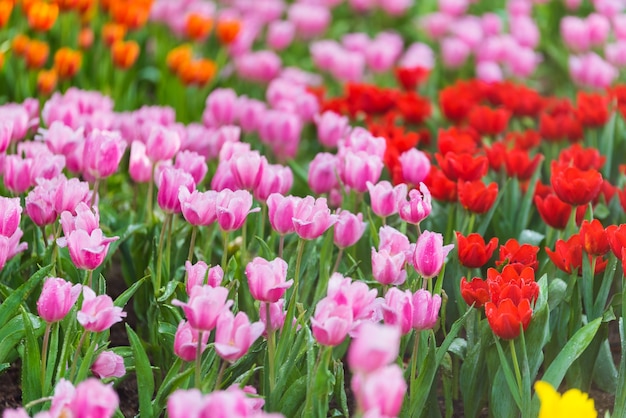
[572, 404]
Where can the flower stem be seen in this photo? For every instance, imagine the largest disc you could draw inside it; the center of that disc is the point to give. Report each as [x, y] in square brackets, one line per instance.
[271, 347]
[78, 350]
[518, 375]
[225, 252]
[336, 266]
[413, 375]
[198, 359]
[157, 282]
[89, 278]
[244, 254]
[149, 197]
[43, 236]
[192, 243]
[281, 245]
[94, 193]
[44, 354]
[220, 374]
[296, 277]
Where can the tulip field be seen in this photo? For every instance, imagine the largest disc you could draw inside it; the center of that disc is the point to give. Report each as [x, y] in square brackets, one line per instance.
[312, 208]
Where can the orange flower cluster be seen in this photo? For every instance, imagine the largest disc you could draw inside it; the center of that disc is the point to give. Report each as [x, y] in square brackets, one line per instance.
[190, 70]
[198, 27]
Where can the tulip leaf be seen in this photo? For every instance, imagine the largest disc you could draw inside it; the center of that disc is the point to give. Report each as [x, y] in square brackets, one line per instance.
[293, 398]
[145, 378]
[13, 332]
[486, 219]
[9, 307]
[31, 363]
[572, 350]
[557, 290]
[173, 380]
[87, 360]
[620, 393]
[340, 388]
[123, 299]
[498, 396]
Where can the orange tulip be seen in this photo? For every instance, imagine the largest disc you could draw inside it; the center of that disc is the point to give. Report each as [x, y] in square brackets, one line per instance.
[41, 15]
[131, 14]
[198, 26]
[85, 38]
[125, 54]
[6, 7]
[177, 56]
[197, 72]
[36, 54]
[112, 32]
[46, 81]
[67, 62]
[19, 44]
[66, 5]
[227, 30]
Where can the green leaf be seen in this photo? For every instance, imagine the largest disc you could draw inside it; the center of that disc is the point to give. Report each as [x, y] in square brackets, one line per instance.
[173, 380]
[13, 332]
[557, 290]
[572, 350]
[31, 363]
[9, 307]
[293, 398]
[145, 378]
[123, 299]
[506, 371]
[340, 388]
[87, 361]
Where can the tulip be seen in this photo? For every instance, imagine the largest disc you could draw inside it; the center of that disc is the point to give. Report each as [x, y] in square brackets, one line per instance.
[381, 391]
[388, 268]
[473, 252]
[186, 341]
[139, 165]
[277, 315]
[198, 208]
[98, 312]
[475, 292]
[425, 309]
[323, 173]
[355, 294]
[170, 182]
[331, 322]
[309, 19]
[374, 347]
[418, 206]
[248, 169]
[249, 113]
[267, 279]
[393, 241]
[312, 218]
[57, 298]
[280, 34]
[102, 153]
[349, 229]
[398, 309]
[505, 319]
[108, 364]
[220, 108]
[275, 179]
[358, 168]
[39, 205]
[88, 250]
[235, 334]
[200, 274]
[281, 210]
[331, 127]
[69, 194]
[430, 254]
[193, 163]
[415, 166]
[385, 198]
[232, 208]
[10, 210]
[17, 173]
[93, 399]
[205, 305]
[185, 404]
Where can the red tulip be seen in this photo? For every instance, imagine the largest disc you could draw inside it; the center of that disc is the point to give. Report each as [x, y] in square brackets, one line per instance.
[472, 250]
[518, 256]
[476, 197]
[519, 164]
[582, 158]
[617, 238]
[555, 212]
[441, 188]
[575, 186]
[489, 121]
[475, 292]
[567, 256]
[594, 238]
[511, 284]
[465, 167]
[506, 318]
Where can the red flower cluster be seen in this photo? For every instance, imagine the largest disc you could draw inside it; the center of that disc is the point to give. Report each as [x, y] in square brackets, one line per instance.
[507, 297]
[568, 256]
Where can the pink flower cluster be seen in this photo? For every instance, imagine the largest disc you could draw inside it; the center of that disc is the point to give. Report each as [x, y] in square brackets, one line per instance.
[10, 231]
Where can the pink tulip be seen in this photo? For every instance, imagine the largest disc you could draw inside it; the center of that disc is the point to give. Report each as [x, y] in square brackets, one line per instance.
[310, 20]
[381, 392]
[220, 108]
[102, 153]
[170, 182]
[88, 250]
[235, 334]
[362, 5]
[108, 364]
[398, 309]
[98, 312]
[94, 399]
[70, 193]
[186, 341]
[312, 218]
[200, 274]
[374, 347]
[280, 34]
[349, 229]
[232, 208]
[281, 210]
[454, 52]
[491, 24]
[281, 131]
[277, 315]
[575, 33]
[185, 404]
[523, 62]
[361, 139]
[396, 7]
[418, 206]
[591, 70]
[394, 241]
[619, 26]
[489, 72]
[331, 322]
[331, 127]
[39, 203]
[276, 178]
[139, 166]
[18, 173]
[418, 55]
[193, 163]
[6, 130]
[385, 198]
[198, 208]
[354, 294]
[388, 268]
[258, 66]
[358, 168]
[15, 413]
[430, 254]
[356, 42]
[205, 305]
[248, 169]
[249, 113]
[453, 7]
[425, 309]
[267, 280]
[436, 24]
[525, 31]
[323, 173]
[599, 28]
[57, 298]
[162, 143]
[10, 214]
[10, 246]
[85, 219]
[415, 166]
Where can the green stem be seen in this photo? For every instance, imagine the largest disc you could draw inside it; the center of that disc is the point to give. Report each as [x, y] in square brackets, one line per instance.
[336, 266]
[271, 347]
[192, 242]
[89, 278]
[296, 277]
[149, 197]
[43, 235]
[413, 376]
[220, 374]
[44, 354]
[157, 282]
[244, 254]
[199, 359]
[225, 252]
[281, 245]
[518, 375]
[94, 193]
[78, 350]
